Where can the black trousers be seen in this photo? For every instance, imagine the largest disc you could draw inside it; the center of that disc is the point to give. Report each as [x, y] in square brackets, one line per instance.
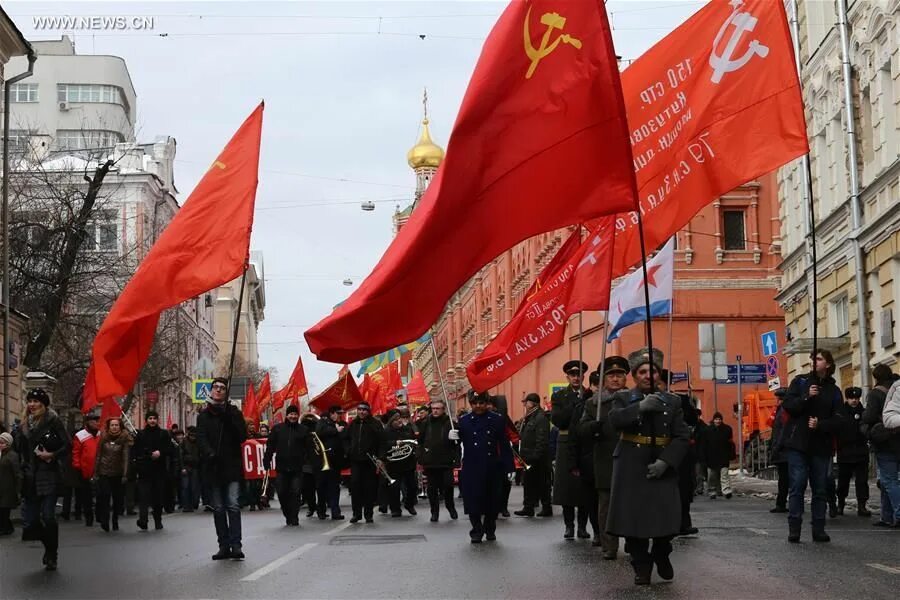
[308, 491]
[328, 491]
[85, 491]
[784, 484]
[151, 495]
[289, 485]
[859, 471]
[405, 488]
[110, 492]
[536, 484]
[440, 483]
[6, 526]
[363, 488]
[590, 511]
[504, 498]
[642, 554]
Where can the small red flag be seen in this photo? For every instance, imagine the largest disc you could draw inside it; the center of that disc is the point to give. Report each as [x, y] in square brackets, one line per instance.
[295, 388]
[416, 392]
[385, 382]
[714, 104]
[264, 395]
[250, 406]
[540, 142]
[580, 282]
[343, 393]
[205, 246]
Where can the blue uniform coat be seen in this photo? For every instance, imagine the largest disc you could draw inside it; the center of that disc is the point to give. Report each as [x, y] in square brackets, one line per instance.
[486, 454]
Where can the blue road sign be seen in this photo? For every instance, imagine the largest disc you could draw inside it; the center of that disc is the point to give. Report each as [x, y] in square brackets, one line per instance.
[750, 373]
[769, 343]
[747, 369]
[678, 376]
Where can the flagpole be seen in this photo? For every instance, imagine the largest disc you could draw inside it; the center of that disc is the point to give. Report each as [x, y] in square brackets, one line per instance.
[437, 368]
[580, 342]
[237, 325]
[671, 314]
[602, 359]
[646, 294]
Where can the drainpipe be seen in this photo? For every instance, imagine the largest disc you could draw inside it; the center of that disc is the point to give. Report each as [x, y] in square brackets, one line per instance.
[855, 207]
[4, 226]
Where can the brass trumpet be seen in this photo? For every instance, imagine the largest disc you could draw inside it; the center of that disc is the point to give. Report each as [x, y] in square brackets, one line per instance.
[519, 456]
[379, 468]
[320, 449]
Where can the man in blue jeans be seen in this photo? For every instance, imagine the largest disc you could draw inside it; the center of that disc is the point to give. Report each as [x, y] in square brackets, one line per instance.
[813, 402]
[220, 432]
[886, 444]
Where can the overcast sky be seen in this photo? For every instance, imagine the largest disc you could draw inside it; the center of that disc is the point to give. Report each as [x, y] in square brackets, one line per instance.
[343, 86]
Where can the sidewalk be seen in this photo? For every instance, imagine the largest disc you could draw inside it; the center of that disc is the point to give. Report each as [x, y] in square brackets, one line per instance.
[745, 485]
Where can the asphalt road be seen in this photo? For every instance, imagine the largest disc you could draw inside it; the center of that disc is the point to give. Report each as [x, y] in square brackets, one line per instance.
[740, 552]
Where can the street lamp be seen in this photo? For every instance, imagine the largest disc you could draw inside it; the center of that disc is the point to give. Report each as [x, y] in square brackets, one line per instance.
[368, 206]
[348, 282]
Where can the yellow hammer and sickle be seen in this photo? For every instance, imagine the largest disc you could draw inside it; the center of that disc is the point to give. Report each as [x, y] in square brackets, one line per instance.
[551, 21]
[218, 164]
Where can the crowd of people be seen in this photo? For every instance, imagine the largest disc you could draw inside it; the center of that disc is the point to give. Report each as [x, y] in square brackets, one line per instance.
[625, 462]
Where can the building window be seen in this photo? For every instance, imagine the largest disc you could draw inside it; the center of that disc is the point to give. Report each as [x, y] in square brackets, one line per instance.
[86, 139]
[80, 92]
[713, 357]
[840, 316]
[734, 230]
[103, 234]
[23, 92]
[19, 139]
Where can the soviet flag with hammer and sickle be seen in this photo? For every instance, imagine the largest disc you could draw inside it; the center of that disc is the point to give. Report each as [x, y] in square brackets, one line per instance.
[540, 143]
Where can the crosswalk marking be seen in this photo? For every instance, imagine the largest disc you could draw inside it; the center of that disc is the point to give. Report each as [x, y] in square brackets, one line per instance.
[885, 568]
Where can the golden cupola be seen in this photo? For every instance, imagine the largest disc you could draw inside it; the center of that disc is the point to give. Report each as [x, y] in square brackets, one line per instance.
[425, 153]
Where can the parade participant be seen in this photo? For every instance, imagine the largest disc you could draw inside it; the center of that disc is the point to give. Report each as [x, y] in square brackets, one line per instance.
[813, 401]
[853, 453]
[150, 455]
[173, 470]
[289, 442]
[486, 452]
[510, 463]
[717, 447]
[84, 454]
[566, 409]
[534, 444]
[43, 447]
[111, 473]
[10, 481]
[438, 454]
[615, 371]
[220, 433]
[886, 443]
[653, 440]
[364, 434]
[190, 467]
[399, 455]
[330, 430]
[777, 456]
[312, 466]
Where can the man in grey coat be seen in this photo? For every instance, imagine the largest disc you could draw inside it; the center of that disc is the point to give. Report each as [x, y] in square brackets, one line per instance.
[653, 440]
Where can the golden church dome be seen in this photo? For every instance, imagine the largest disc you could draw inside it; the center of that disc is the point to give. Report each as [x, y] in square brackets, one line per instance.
[425, 153]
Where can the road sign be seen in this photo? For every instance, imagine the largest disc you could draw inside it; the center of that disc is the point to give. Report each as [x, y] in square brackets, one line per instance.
[772, 366]
[747, 369]
[201, 390]
[751, 373]
[774, 384]
[769, 343]
[678, 376]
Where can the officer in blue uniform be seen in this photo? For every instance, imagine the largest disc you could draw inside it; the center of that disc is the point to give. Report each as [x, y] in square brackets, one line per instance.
[486, 452]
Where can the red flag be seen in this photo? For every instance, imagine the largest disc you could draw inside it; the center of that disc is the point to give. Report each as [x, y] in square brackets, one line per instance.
[540, 143]
[342, 392]
[713, 105]
[296, 386]
[366, 389]
[169, 419]
[582, 282]
[278, 398]
[385, 381]
[250, 405]
[205, 246]
[416, 392]
[264, 396]
[110, 408]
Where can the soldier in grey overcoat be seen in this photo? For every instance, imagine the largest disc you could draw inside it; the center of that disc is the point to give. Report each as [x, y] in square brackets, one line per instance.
[653, 440]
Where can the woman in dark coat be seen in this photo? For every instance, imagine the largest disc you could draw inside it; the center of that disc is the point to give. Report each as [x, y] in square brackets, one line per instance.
[10, 482]
[654, 438]
[44, 447]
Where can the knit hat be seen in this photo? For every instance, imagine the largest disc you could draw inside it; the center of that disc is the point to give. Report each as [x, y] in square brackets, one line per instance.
[40, 395]
[292, 409]
[6, 438]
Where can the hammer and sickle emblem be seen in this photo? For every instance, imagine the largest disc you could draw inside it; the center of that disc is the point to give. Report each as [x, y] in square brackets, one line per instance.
[217, 164]
[551, 21]
[726, 62]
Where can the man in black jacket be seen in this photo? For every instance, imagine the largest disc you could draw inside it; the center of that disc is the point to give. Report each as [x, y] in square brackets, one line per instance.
[364, 436]
[853, 453]
[151, 454]
[220, 432]
[399, 456]
[717, 448]
[534, 445]
[813, 401]
[886, 443]
[438, 454]
[330, 430]
[289, 442]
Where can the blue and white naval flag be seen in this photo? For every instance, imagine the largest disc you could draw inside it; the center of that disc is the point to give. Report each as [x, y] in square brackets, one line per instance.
[626, 304]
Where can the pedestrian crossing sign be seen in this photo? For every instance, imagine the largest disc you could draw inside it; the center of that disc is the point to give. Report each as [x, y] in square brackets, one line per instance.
[201, 390]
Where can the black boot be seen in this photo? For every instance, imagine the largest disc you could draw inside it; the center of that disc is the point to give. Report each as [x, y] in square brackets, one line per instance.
[453, 514]
[840, 506]
[664, 568]
[862, 511]
[223, 553]
[570, 532]
[642, 573]
[583, 533]
[525, 512]
[794, 526]
[832, 510]
[818, 532]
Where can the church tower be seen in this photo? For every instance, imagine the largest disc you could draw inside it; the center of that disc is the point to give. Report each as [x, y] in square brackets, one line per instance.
[424, 158]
